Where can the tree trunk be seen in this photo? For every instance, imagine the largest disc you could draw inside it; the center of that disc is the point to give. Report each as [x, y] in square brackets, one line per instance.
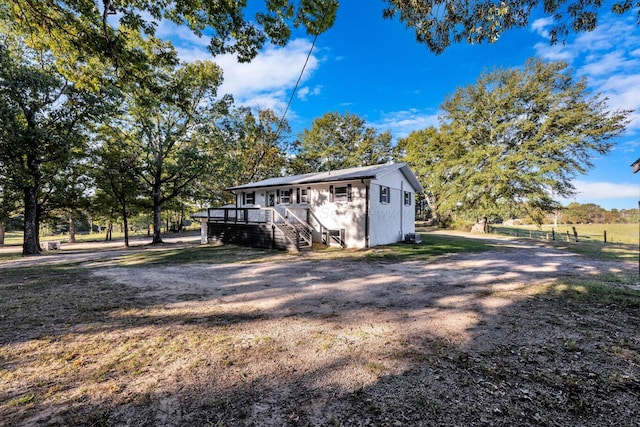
[2, 232]
[72, 228]
[30, 245]
[481, 226]
[125, 220]
[109, 229]
[157, 222]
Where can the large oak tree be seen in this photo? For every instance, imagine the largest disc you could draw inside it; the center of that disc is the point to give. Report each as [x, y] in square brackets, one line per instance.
[515, 139]
[43, 120]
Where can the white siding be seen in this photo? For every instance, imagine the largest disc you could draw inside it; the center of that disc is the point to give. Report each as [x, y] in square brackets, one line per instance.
[390, 222]
[346, 215]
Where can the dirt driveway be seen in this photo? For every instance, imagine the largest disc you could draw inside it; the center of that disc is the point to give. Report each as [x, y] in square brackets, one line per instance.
[490, 338]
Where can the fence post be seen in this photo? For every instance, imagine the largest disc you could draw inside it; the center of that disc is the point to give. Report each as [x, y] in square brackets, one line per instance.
[547, 235]
[575, 233]
[605, 236]
[553, 234]
[568, 238]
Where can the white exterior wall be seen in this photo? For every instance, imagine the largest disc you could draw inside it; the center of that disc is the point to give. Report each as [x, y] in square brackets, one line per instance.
[390, 222]
[349, 216]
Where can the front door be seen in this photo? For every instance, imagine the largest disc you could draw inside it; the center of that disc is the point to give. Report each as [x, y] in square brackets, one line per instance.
[271, 199]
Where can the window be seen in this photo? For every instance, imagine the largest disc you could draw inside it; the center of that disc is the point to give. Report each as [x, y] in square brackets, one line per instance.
[249, 198]
[385, 194]
[303, 195]
[340, 194]
[284, 197]
[407, 198]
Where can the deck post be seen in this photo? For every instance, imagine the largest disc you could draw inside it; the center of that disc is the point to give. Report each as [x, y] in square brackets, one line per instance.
[273, 236]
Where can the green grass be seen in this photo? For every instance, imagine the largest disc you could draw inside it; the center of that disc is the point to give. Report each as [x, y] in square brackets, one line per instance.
[15, 237]
[605, 289]
[616, 233]
[433, 245]
[195, 254]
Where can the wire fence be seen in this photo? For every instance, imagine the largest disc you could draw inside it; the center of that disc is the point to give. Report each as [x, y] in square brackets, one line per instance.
[574, 234]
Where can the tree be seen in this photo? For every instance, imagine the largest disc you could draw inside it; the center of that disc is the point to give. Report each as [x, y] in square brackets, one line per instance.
[42, 127]
[117, 172]
[9, 201]
[171, 116]
[438, 23]
[256, 145]
[338, 141]
[424, 151]
[513, 141]
[88, 30]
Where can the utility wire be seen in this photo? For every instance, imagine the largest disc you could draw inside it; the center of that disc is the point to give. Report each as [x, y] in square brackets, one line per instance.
[286, 110]
[293, 92]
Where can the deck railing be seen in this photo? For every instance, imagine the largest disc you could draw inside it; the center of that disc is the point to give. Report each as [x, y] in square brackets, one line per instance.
[239, 215]
[289, 217]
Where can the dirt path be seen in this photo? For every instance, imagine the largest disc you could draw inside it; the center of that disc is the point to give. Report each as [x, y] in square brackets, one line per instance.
[491, 338]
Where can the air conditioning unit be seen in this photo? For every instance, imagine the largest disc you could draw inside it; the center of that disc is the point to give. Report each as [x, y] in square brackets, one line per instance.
[412, 238]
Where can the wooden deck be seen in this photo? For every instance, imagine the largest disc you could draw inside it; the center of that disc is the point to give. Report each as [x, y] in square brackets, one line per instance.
[260, 228]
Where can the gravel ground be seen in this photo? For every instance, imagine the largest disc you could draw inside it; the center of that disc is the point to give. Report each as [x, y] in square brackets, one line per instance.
[504, 337]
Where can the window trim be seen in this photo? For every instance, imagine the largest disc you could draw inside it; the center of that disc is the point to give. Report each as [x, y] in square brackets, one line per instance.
[345, 195]
[385, 195]
[248, 198]
[407, 198]
[303, 198]
[281, 196]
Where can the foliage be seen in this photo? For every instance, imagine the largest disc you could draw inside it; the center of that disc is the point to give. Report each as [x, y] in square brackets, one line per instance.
[42, 130]
[84, 33]
[338, 141]
[117, 172]
[254, 149]
[170, 119]
[513, 140]
[439, 23]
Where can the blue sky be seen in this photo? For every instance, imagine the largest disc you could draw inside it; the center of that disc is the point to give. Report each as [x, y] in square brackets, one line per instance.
[374, 68]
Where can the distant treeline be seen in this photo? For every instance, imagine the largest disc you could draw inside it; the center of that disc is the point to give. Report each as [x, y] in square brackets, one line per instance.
[590, 213]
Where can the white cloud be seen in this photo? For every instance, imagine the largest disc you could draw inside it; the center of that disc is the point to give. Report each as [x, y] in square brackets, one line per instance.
[540, 26]
[608, 57]
[265, 82]
[402, 123]
[305, 92]
[606, 190]
[609, 195]
[272, 71]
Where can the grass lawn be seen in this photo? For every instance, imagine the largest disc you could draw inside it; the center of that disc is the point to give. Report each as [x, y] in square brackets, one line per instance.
[454, 331]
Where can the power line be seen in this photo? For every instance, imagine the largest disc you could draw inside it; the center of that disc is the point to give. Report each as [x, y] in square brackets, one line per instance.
[293, 92]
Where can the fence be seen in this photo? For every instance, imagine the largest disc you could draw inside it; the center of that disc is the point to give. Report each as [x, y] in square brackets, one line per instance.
[574, 235]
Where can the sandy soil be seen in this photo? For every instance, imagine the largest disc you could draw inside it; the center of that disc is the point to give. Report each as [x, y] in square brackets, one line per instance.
[472, 339]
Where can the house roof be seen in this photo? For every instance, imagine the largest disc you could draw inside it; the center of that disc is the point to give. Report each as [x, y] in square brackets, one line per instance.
[364, 172]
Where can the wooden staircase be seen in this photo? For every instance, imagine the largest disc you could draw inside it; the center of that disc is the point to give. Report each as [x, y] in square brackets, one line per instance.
[297, 233]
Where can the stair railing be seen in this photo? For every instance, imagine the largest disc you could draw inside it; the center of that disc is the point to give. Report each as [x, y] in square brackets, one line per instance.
[302, 233]
[303, 227]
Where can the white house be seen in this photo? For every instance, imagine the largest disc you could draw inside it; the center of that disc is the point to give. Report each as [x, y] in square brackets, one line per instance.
[357, 208]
